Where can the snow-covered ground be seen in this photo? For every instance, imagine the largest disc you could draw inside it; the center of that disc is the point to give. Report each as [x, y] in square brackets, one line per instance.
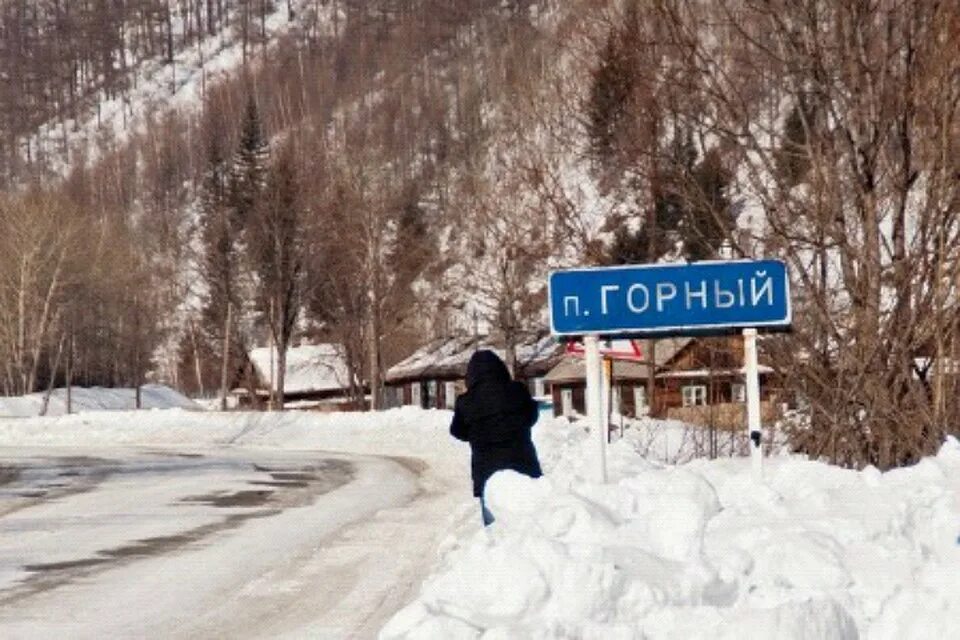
[702, 551]
[152, 396]
[661, 551]
[194, 524]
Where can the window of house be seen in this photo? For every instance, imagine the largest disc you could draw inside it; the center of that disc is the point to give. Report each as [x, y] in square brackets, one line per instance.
[738, 392]
[450, 391]
[640, 401]
[391, 397]
[694, 395]
[566, 401]
[537, 387]
[415, 394]
[431, 399]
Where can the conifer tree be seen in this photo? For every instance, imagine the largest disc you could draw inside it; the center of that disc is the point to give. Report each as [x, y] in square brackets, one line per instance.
[709, 218]
[612, 88]
[248, 170]
[608, 102]
[220, 264]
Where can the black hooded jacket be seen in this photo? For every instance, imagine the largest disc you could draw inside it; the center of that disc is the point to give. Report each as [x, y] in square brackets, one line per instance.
[495, 416]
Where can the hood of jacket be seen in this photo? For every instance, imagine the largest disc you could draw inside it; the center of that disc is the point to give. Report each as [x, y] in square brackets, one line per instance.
[486, 365]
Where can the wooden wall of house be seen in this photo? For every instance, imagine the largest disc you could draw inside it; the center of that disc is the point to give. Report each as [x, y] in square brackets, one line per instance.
[725, 352]
[437, 401]
[669, 393]
[579, 396]
[627, 401]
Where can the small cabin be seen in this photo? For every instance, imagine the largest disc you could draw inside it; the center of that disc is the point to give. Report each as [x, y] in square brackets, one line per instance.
[435, 374]
[317, 378]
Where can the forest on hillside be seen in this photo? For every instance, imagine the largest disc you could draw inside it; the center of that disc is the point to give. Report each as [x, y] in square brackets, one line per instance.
[380, 172]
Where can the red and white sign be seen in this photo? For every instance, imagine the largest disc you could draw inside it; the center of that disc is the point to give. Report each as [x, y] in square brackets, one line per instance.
[620, 349]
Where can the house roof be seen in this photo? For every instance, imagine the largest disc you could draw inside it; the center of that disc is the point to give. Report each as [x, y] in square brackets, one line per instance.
[573, 368]
[315, 367]
[448, 358]
[669, 348]
[706, 373]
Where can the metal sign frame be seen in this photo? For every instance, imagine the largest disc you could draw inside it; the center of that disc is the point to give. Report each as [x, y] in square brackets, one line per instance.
[749, 326]
[669, 330]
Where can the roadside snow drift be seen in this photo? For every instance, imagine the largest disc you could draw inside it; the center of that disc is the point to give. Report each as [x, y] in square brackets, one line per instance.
[152, 396]
[701, 551]
[696, 550]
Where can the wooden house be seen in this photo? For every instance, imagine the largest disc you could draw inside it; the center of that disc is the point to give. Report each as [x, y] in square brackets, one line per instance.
[697, 380]
[317, 378]
[567, 381]
[433, 375]
[704, 383]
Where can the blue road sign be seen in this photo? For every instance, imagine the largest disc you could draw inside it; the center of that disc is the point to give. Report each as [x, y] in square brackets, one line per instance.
[670, 299]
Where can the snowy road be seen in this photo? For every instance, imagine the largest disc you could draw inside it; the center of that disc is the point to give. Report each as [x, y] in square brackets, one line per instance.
[213, 542]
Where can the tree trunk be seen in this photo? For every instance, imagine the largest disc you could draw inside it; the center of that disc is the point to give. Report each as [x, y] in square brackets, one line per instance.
[138, 399]
[651, 344]
[225, 365]
[196, 358]
[69, 374]
[53, 377]
[138, 396]
[272, 384]
[510, 352]
[374, 354]
[281, 375]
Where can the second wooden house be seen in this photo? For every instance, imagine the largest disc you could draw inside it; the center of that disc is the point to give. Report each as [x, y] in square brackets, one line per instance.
[433, 375]
[697, 380]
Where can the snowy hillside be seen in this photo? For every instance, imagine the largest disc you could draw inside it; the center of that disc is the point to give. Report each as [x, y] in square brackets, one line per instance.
[167, 83]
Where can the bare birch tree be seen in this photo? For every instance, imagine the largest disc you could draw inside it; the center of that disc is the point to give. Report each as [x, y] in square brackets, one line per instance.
[839, 121]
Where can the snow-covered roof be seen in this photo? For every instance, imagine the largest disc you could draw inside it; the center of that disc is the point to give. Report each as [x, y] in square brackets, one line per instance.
[314, 367]
[448, 357]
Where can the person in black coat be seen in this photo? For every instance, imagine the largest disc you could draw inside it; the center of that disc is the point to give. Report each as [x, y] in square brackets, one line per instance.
[495, 416]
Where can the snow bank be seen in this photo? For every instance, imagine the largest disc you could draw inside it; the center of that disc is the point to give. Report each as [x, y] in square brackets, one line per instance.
[695, 550]
[700, 551]
[403, 431]
[152, 396]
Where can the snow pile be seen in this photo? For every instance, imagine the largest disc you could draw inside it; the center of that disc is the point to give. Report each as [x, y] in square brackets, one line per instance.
[152, 396]
[407, 431]
[700, 550]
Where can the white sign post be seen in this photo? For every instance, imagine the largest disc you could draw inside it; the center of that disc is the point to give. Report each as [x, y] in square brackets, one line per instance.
[594, 398]
[701, 298]
[753, 400]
